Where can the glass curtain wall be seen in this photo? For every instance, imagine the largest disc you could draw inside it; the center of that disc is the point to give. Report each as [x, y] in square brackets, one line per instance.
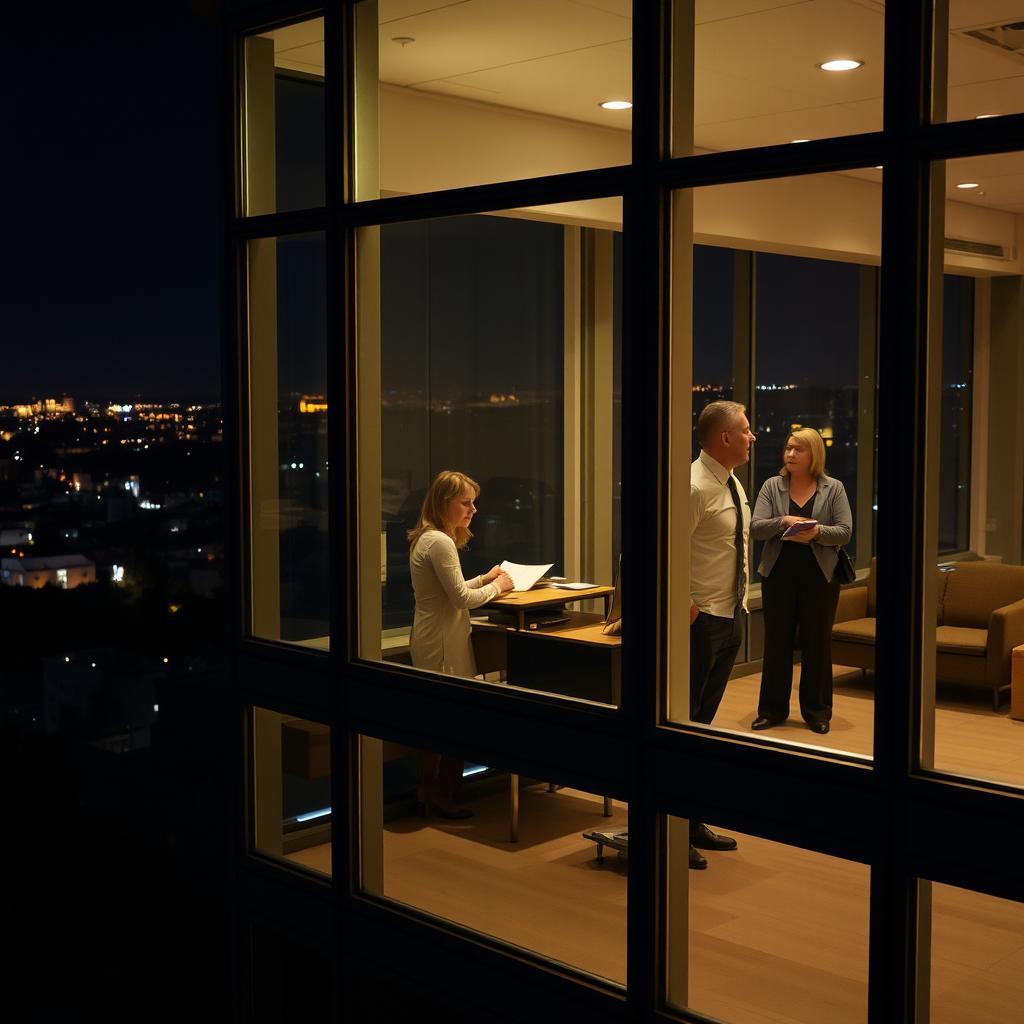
[775, 256]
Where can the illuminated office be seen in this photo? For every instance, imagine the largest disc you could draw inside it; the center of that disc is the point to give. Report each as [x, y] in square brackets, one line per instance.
[530, 242]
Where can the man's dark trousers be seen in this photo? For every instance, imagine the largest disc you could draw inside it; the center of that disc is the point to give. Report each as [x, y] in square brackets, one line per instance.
[714, 643]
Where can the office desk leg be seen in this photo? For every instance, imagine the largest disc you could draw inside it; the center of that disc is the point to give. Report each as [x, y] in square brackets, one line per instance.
[513, 807]
[607, 806]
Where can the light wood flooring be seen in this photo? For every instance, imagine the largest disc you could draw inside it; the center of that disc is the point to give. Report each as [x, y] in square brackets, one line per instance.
[776, 935]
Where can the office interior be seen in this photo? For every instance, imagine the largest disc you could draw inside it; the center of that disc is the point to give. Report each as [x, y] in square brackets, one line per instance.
[492, 342]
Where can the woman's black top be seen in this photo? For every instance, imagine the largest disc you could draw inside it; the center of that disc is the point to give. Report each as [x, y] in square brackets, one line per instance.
[795, 553]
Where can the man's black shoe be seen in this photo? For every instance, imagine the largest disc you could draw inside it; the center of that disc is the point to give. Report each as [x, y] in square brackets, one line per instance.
[704, 839]
[697, 862]
[763, 722]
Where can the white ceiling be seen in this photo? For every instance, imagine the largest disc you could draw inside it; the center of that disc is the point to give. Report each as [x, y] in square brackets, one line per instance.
[756, 77]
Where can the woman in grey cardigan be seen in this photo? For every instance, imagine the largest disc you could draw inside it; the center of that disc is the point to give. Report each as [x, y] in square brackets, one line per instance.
[800, 587]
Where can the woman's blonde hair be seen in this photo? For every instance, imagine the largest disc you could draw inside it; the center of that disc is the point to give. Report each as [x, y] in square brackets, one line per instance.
[809, 438]
[447, 484]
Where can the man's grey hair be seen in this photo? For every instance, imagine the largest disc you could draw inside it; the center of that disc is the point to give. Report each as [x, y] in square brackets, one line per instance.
[715, 417]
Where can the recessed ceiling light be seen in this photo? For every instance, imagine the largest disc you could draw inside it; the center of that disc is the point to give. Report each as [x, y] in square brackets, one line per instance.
[967, 184]
[616, 105]
[841, 65]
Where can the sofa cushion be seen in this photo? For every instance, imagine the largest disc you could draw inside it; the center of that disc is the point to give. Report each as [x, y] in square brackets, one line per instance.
[961, 640]
[855, 631]
[976, 589]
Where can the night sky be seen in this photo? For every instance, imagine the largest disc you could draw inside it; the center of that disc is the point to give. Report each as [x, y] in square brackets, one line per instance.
[112, 240]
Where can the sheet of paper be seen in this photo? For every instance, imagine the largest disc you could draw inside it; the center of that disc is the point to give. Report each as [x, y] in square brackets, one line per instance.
[575, 586]
[524, 576]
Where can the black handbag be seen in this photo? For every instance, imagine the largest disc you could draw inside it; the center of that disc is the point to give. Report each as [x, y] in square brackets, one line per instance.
[845, 570]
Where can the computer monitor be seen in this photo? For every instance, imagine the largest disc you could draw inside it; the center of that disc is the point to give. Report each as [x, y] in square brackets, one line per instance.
[613, 623]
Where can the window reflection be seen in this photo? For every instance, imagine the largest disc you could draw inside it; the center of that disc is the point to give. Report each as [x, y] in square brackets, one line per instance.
[976, 506]
[496, 360]
[510, 92]
[291, 786]
[536, 865]
[977, 944]
[287, 431]
[283, 126]
[767, 932]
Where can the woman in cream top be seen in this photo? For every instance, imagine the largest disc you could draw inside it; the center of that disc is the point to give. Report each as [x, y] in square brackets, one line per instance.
[440, 630]
[440, 639]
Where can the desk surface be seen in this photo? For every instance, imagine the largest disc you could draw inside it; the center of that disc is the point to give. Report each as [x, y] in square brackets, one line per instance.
[582, 628]
[540, 596]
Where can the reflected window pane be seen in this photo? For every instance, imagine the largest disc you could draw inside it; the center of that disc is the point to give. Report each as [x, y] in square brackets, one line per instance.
[977, 951]
[757, 80]
[470, 93]
[783, 323]
[975, 593]
[291, 784]
[288, 439]
[983, 57]
[767, 932]
[283, 119]
[488, 374]
[537, 866]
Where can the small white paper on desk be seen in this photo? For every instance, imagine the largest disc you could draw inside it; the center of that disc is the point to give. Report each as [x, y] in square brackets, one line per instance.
[524, 576]
[575, 586]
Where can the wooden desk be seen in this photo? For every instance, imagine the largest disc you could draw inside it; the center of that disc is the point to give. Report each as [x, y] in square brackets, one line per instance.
[574, 659]
[521, 602]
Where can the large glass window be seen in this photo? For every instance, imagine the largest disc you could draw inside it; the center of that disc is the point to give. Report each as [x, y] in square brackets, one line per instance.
[978, 49]
[287, 415]
[450, 95]
[975, 488]
[765, 931]
[976, 945]
[792, 338]
[283, 119]
[766, 74]
[530, 863]
[488, 348]
[291, 790]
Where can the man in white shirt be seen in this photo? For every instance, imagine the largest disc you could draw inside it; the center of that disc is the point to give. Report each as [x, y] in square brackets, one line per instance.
[719, 574]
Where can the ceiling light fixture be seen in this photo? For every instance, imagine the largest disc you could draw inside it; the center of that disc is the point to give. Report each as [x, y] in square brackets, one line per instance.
[967, 184]
[841, 65]
[403, 41]
[616, 105]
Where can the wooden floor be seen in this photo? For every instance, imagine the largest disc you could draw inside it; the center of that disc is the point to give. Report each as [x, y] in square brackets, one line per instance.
[776, 935]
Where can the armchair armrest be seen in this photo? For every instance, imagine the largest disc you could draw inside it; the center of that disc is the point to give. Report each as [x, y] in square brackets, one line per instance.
[1005, 631]
[853, 603]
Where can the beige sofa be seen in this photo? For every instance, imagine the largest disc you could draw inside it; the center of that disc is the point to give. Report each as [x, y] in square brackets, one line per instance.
[980, 619]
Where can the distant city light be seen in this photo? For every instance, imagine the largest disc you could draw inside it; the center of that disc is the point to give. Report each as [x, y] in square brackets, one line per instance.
[67, 660]
[166, 661]
[117, 573]
[156, 708]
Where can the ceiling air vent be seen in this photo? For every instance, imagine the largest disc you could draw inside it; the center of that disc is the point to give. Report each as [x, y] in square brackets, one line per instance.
[1009, 37]
[969, 248]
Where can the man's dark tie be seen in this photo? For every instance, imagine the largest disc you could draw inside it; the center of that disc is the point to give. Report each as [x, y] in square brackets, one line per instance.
[741, 576]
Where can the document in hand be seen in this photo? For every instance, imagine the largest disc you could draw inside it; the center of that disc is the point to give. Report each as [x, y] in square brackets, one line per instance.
[525, 576]
[800, 527]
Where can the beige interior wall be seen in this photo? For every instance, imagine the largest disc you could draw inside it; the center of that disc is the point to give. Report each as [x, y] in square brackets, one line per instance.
[430, 142]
